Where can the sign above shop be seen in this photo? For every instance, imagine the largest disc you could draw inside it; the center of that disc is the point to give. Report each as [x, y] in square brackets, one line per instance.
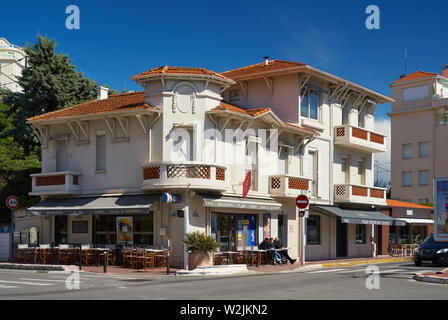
[171, 198]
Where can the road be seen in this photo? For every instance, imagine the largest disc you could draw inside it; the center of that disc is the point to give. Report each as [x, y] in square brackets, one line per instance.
[341, 283]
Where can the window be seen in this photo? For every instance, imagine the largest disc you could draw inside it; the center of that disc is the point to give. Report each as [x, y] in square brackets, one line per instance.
[360, 237]
[144, 229]
[105, 230]
[346, 169]
[100, 152]
[313, 169]
[442, 116]
[361, 118]
[361, 172]
[80, 226]
[423, 149]
[62, 156]
[407, 179]
[313, 230]
[416, 93]
[309, 106]
[234, 95]
[423, 177]
[407, 151]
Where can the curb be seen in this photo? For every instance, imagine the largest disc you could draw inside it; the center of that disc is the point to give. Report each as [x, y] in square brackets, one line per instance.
[354, 263]
[36, 267]
[431, 279]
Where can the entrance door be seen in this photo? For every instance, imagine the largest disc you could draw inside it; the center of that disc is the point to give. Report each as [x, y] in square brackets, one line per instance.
[341, 239]
[61, 156]
[60, 229]
[227, 232]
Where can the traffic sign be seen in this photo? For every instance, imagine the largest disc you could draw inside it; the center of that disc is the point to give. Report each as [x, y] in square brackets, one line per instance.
[246, 184]
[302, 202]
[12, 202]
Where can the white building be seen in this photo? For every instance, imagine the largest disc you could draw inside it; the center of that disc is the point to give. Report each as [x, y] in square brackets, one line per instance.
[12, 62]
[114, 157]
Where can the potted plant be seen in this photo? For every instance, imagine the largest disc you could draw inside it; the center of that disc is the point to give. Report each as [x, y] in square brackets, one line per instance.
[201, 248]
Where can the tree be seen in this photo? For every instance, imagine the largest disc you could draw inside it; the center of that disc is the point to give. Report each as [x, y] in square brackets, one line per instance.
[50, 82]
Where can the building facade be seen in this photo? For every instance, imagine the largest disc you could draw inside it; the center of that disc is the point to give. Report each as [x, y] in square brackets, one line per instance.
[419, 131]
[196, 135]
[12, 62]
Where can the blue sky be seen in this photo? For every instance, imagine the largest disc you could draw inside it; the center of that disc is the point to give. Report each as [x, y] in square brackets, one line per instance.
[118, 39]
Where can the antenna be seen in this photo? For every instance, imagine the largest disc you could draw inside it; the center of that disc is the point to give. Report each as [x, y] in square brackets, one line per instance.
[405, 61]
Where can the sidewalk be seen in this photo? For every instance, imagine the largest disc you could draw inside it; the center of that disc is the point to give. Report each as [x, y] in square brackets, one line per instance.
[438, 277]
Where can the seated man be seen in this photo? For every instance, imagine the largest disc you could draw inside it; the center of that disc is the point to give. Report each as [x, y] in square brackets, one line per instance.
[264, 244]
[284, 253]
[276, 256]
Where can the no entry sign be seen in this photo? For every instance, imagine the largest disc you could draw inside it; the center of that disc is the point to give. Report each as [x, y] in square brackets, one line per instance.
[302, 202]
[12, 202]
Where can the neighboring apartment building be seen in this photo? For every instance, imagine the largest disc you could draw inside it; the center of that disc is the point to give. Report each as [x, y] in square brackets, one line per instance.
[12, 62]
[113, 158]
[419, 121]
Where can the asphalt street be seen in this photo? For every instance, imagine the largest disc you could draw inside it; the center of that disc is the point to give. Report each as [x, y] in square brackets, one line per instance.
[395, 282]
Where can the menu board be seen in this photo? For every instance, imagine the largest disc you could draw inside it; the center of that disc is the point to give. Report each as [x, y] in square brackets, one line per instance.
[266, 225]
[441, 209]
[125, 230]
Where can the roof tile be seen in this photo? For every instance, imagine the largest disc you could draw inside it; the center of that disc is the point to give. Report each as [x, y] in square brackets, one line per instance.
[416, 75]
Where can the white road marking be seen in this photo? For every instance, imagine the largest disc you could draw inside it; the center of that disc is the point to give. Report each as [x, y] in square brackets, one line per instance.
[45, 280]
[353, 271]
[28, 283]
[2, 286]
[323, 271]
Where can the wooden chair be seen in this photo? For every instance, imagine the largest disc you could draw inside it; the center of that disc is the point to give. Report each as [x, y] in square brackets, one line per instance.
[88, 256]
[64, 254]
[148, 260]
[242, 257]
[139, 256]
[23, 253]
[128, 257]
[44, 253]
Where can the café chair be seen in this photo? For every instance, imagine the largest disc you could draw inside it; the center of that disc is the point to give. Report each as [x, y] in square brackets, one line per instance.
[23, 253]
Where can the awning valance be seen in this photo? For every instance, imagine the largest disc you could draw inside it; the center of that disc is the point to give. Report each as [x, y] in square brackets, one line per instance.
[110, 205]
[241, 203]
[418, 221]
[356, 216]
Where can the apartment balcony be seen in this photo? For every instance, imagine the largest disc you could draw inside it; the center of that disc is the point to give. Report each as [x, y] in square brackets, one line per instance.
[348, 193]
[359, 139]
[199, 176]
[285, 186]
[55, 183]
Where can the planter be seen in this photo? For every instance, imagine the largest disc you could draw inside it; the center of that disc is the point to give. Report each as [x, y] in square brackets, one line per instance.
[199, 260]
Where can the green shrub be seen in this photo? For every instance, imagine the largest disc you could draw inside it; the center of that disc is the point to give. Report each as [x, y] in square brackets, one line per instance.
[197, 242]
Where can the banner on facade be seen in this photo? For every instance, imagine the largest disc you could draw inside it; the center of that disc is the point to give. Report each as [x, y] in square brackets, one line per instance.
[441, 209]
[266, 225]
[125, 230]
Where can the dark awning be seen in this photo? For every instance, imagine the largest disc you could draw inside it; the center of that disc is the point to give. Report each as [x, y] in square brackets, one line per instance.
[111, 205]
[212, 201]
[356, 216]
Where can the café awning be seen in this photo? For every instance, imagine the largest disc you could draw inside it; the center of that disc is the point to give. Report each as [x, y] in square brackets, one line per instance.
[418, 221]
[110, 205]
[241, 203]
[357, 216]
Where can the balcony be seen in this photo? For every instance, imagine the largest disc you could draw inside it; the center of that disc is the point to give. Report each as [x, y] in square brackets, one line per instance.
[284, 186]
[55, 183]
[171, 175]
[359, 139]
[349, 193]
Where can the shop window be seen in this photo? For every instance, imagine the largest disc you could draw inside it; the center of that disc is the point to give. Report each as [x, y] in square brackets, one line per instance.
[105, 230]
[313, 230]
[360, 232]
[80, 226]
[144, 229]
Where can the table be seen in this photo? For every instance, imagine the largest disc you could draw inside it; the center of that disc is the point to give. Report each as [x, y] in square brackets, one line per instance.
[259, 253]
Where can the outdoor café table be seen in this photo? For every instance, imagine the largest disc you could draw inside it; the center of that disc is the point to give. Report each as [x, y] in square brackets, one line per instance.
[229, 254]
[258, 253]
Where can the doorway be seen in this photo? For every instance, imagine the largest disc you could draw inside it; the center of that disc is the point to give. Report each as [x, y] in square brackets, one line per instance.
[341, 239]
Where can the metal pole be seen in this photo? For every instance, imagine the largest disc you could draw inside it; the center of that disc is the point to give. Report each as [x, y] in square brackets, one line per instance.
[168, 263]
[105, 261]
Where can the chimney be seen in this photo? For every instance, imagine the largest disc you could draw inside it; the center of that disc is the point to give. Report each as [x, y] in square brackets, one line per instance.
[445, 71]
[102, 93]
[266, 60]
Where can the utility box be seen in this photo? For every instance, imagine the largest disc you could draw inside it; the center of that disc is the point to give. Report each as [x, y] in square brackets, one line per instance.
[5, 247]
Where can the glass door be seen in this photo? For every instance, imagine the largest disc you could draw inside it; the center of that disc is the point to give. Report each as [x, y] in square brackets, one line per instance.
[227, 232]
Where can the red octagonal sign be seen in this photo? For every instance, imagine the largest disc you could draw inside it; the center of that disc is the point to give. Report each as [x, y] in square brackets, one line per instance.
[302, 202]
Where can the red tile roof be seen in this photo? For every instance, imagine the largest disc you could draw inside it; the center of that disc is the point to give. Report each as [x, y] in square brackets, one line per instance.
[402, 204]
[416, 75]
[178, 70]
[115, 103]
[257, 112]
[273, 65]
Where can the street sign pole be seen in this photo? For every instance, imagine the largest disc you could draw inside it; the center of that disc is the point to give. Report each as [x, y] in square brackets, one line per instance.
[302, 202]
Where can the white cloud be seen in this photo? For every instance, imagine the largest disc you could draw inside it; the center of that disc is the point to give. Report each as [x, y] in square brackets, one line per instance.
[382, 125]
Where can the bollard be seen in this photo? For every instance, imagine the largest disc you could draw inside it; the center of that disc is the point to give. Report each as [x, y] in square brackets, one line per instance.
[168, 263]
[105, 261]
[80, 257]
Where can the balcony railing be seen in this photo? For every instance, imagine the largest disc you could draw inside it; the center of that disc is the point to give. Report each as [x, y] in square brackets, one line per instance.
[288, 186]
[55, 183]
[360, 139]
[359, 194]
[183, 175]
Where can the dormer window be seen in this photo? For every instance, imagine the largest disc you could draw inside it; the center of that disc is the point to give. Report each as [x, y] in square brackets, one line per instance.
[234, 95]
[309, 105]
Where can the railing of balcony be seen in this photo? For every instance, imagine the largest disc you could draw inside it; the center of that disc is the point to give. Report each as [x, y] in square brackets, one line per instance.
[188, 171]
[347, 131]
[347, 191]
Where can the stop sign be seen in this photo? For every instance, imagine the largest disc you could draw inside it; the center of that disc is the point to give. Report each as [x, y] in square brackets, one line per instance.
[12, 202]
[302, 202]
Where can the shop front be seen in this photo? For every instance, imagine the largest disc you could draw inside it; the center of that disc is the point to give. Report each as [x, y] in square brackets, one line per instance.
[123, 220]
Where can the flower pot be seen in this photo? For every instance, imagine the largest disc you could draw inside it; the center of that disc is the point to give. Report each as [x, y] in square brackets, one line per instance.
[199, 260]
